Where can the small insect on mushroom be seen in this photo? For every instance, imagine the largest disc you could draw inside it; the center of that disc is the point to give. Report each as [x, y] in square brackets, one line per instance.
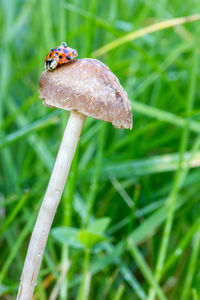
[58, 56]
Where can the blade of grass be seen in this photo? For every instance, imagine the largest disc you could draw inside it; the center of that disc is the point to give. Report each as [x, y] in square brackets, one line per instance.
[129, 138]
[11, 118]
[181, 246]
[123, 268]
[113, 257]
[100, 22]
[142, 32]
[171, 203]
[67, 215]
[161, 70]
[120, 292]
[7, 160]
[45, 10]
[13, 214]
[14, 251]
[148, 227]
[191, 268]
[82, 294]
[164, 116]
[49, 120]
[144, 268]
[62, 21]
[90, 203]
[94, 185]
[125, 196]
[152, 165]
[21, 20]
[37, 144]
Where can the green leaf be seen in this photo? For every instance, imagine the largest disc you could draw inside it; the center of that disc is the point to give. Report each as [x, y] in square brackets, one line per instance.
[67, 236]
[89, 239]
[99, 226]
[94, 233]
[82, 238]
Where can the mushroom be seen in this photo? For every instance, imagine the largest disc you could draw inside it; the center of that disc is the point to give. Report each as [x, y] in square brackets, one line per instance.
[84, 87]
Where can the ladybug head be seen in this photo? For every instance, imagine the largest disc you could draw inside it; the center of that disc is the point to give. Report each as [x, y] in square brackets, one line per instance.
[51, 64]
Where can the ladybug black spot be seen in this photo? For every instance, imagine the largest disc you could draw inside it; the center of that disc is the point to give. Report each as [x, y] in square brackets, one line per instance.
[58, 49]
[68, 57]
[60, 56]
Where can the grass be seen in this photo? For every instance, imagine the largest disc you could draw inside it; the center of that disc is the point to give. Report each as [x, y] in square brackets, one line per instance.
[128, 226]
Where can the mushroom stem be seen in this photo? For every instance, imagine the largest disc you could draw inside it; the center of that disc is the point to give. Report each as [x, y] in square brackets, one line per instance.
[49, 205]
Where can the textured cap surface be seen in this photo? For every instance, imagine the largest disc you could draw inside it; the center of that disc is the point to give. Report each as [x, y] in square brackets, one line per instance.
[89, 87]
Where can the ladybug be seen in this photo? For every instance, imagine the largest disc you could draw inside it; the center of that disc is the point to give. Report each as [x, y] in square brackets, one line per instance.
[58, 56]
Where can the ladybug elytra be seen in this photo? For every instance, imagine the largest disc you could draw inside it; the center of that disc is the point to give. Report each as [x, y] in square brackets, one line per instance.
[58, 56]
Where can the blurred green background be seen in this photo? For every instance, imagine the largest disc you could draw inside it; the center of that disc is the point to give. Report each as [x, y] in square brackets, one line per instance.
[128, 225]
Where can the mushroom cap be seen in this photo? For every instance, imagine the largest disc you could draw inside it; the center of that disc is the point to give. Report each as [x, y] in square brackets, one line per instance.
[89, 87]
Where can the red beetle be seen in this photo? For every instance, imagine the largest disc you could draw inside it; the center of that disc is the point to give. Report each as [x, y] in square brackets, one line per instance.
[58, 56]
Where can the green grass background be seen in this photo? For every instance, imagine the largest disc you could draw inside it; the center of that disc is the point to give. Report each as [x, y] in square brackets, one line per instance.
[146, 182]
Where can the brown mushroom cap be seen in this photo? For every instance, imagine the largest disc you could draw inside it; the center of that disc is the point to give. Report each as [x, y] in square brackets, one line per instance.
[89, 87]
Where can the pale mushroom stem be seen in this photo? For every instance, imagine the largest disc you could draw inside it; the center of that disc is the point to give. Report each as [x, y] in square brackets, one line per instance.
[49, 205]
